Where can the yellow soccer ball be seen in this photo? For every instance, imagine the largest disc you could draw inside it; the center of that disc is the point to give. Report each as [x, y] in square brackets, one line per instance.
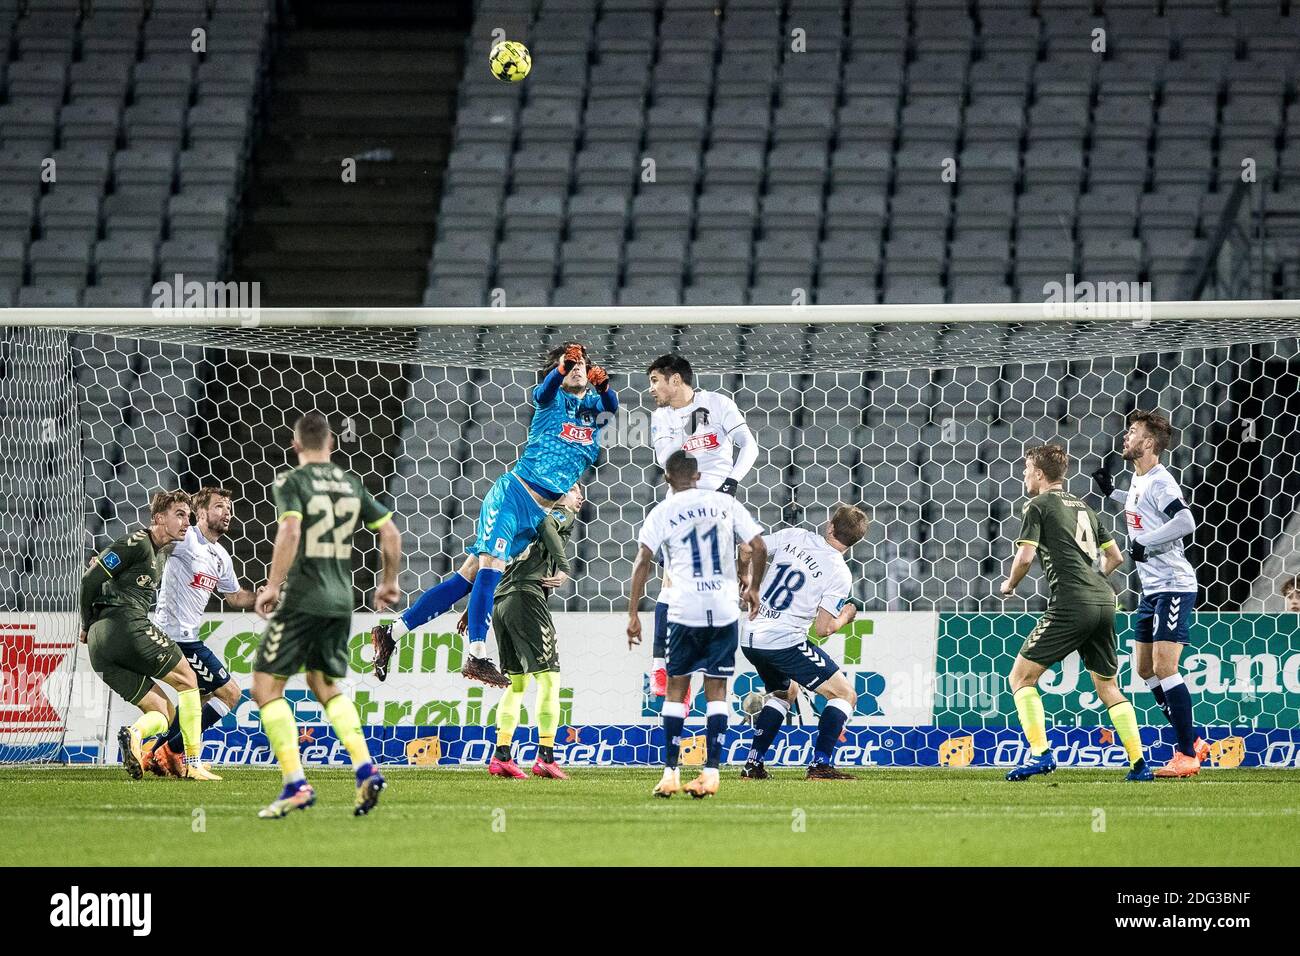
[510, 61]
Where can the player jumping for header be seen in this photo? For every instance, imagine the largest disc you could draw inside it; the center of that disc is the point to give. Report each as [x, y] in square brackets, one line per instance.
[563, 442]
[1067, 538]
[697, 531]
[710, 428]
[1158, 522]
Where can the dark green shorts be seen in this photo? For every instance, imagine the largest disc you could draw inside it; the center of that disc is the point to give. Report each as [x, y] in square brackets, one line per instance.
[129, 653]
[1086, 628]
[295, 642]
[525, 634]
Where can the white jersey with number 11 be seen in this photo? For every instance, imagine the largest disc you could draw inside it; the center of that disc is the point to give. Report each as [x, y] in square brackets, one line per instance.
[696, 531]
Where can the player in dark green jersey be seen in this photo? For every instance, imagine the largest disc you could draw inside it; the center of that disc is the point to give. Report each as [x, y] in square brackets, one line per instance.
[127, 650]
[308, 599]
[1068, 540]
[526, 637]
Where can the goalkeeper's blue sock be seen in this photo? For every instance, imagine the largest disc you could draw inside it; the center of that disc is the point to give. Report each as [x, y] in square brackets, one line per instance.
[660, 649]
[715, 731]
[829, 728]
[436, 601]
[767, 725]
[213, 711]
[1180, 712]
[674, 715]
[480, 609]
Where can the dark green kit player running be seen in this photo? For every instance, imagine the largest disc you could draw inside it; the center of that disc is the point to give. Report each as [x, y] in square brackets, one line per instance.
[126, 650]
[309, 589]
[525, 636]
[1068, 539]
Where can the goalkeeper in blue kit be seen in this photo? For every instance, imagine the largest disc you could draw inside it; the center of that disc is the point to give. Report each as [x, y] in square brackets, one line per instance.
[563, 442]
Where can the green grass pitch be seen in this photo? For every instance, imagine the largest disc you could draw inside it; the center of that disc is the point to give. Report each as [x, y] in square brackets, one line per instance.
[96, 816]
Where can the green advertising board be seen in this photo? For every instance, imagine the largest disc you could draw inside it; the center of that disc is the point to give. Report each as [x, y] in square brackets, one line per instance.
[1241, 669]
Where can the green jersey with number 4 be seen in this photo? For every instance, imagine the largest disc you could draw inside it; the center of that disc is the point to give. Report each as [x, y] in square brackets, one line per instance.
[1069, 538]
[330, 503]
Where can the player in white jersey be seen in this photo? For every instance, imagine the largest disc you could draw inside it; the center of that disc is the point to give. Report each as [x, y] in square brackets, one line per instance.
[1158, 522]
[807, 585]
[198, 565]
[710, 428]
[696, 531]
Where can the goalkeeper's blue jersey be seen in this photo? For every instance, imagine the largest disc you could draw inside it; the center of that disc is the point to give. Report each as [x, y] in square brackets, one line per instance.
[563, 440]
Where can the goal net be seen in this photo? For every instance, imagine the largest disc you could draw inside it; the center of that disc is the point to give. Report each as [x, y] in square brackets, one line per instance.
[920, 414]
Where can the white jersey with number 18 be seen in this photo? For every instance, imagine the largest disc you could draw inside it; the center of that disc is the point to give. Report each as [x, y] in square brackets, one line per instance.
[804, 574]
[697, 531]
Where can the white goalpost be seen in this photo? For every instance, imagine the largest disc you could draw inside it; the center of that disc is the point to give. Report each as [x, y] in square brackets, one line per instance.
[918, 413]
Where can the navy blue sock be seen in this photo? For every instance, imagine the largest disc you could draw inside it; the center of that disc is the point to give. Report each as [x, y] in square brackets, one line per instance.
[435, 601]
[1180, 715]
[176, 740]
[674, 720]
[364, 771]
[480, 603]
[829, 729]
[715, 731]
[660, 648]
[767, 725]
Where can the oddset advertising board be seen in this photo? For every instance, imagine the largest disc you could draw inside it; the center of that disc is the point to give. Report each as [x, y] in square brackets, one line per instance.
[931, 691]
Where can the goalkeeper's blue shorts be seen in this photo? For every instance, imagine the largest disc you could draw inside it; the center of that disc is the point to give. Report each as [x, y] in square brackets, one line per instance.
[507, 519]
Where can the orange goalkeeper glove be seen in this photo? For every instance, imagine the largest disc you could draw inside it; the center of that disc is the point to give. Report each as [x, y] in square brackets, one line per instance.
[598, 377]
[573, 354]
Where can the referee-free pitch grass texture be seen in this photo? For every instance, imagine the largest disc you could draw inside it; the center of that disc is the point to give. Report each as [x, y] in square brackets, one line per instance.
[85, 816]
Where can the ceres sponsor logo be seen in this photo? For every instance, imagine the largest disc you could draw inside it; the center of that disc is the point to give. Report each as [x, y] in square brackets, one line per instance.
[577, 433]
[75, 908]
[204, 582]
[701, 443]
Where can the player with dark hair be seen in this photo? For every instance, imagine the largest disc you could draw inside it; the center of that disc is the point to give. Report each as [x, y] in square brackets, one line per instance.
[696, 530]
[1066, 537]
[525, 634]
[1159, 521]
[571, 407]
[197, 566]
[128, 652]
[308, 600]
[709, 427]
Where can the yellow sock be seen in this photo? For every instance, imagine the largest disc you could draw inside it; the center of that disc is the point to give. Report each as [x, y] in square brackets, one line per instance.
[150, 723]
[343, 717]
[1125, 720]
[190, 711]
[1030, 708]
[282, 732]
[508, 709]
[548, 707]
